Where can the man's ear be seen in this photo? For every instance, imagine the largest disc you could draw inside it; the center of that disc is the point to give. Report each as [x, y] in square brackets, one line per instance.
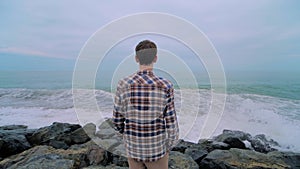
[137, 59]
[155, 59]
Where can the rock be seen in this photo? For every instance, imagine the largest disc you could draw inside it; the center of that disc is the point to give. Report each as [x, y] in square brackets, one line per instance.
[46, 157]
[108, 144]
[90, 129]
[77, 156]
[290, 158]
[220, 145]
[261, 144]
[106, 167]
[196, 154]
[105, 133]
[107, 124]
[234, 142]
[233, 134]
[79, 136]
[107, 138]
[183, 145]
[62, 132]
[13, 140]
[58, 144]
[120, 161]
[241, 158]
[97, 155]
[13, 127]
[178, 160]
[210, 145]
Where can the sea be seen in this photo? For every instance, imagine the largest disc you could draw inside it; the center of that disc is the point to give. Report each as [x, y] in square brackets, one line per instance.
[256, 102]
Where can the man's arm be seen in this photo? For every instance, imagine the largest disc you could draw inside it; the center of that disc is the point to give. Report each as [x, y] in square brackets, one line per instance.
[171, 120]
[118, 111]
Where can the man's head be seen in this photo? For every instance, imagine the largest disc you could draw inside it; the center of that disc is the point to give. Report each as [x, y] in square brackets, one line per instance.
[146, 52]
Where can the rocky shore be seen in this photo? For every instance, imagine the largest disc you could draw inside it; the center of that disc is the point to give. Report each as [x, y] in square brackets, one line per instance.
[70, 146]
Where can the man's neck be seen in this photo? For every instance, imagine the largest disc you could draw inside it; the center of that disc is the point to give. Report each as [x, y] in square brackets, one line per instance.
[146, 67]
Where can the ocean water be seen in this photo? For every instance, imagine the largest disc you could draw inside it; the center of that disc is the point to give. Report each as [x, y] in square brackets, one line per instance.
[257, 103]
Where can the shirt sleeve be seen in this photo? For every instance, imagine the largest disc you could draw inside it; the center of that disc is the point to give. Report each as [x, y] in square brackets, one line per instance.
[171, 120]
[118, 111]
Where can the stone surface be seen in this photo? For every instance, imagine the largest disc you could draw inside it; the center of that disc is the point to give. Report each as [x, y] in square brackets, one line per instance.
[291, 158]
[261, 144]
[90, 129]
[220, 145]
[183, 145]
[234, 142]
[233, 133]
[46, 157]
[241, 158]
[196, 154]
[63, 145]
[13, 140]
[57, 131]
[178, 160]
[106, 167]
[79, 136]
[13, 127]
[96, 155]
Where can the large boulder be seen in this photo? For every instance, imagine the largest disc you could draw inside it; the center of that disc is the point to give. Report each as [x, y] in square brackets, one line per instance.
[233, 134]
[242, 140]
[210, 145]
[59, 135]
[241, 158]
[77, 156]
[46, 157]
[13, 140]
[261, 144]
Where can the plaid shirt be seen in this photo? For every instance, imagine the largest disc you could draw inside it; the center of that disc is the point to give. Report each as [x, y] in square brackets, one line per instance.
[144, 113]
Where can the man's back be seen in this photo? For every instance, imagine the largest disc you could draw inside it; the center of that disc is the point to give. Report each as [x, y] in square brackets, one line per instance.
[145, 102]
[144, 113]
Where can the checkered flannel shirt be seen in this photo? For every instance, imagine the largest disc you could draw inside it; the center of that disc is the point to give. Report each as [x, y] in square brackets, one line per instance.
[144, 113]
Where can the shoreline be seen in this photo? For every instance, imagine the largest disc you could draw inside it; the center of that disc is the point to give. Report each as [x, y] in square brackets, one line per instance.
[90, 146]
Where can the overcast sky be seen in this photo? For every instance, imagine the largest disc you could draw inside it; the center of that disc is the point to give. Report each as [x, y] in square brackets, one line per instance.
[248, 35]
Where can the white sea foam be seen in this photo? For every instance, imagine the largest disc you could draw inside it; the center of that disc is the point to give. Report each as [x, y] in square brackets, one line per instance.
[276, 118]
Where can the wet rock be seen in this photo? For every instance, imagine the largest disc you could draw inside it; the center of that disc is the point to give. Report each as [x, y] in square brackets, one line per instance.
[233, 134]
[261, 144]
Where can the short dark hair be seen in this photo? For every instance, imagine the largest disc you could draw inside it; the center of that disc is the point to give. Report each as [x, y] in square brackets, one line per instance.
[146, 51]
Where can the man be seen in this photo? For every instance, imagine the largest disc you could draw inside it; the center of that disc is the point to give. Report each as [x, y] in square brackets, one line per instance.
[144, 113]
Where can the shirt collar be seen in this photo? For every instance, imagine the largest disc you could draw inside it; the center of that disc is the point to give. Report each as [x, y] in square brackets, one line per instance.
[146, 71]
